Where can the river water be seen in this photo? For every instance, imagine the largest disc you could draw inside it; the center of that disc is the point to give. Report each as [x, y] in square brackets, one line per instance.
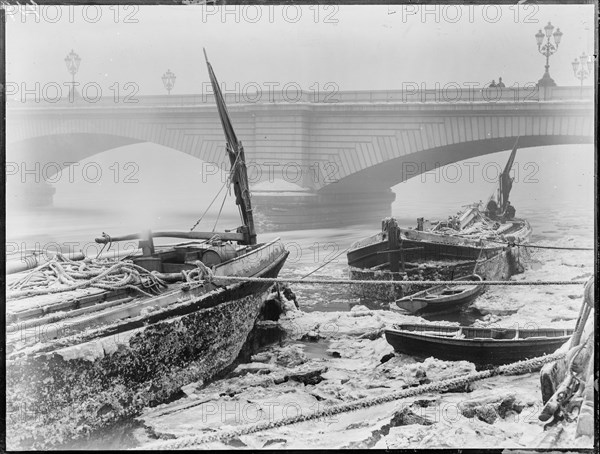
[553, 190]
[74, 228]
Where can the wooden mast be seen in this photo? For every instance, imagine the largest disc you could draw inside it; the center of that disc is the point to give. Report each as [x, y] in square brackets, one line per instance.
[505, 181]
[239, 178]
[235, 151]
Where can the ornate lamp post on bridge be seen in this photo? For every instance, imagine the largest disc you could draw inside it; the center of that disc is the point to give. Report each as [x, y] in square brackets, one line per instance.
[168, 79]
[582, 68]
[72, 60]
[547, 50]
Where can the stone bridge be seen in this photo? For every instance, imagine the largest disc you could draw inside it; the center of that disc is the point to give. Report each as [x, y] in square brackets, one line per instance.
[344, 148]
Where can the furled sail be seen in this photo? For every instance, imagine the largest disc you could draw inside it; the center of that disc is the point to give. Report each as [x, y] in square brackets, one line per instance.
[505, 183]
[235, 151]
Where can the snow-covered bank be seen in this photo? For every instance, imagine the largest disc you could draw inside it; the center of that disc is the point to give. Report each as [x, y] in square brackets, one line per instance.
[330, 358]
[354, 362]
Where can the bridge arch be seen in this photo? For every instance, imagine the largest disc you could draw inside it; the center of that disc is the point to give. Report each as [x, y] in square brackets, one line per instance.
[54, 152]
[360, 142]
[399, 169]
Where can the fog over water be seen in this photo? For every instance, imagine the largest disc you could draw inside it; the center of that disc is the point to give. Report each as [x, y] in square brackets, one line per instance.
[553, 190]
[159, 188]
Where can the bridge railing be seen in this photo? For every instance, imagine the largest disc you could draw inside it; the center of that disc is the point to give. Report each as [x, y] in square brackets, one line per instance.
[467, 94]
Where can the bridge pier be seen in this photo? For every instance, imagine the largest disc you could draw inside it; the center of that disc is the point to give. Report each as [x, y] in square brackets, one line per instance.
[276, 211]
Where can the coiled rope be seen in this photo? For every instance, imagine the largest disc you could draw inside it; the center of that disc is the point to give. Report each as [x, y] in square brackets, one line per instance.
[517, 368]
[63, 274]
[389, 282]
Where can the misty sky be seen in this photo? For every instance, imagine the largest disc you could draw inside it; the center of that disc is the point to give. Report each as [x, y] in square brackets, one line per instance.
[354, 47]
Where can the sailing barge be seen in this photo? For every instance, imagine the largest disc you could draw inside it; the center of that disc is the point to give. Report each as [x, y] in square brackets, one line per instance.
[84, 357]
[479, 240]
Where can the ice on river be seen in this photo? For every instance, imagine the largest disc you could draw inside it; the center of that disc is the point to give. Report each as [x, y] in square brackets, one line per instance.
[283, 382]
[336, 357]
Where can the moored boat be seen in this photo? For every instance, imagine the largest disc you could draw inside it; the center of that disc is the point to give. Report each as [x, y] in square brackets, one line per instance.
[91, 342]
[441, 298]
[487, 242]
[482, 346]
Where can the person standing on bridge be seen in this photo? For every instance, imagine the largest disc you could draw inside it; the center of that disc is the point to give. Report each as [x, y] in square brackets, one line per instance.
[493, 84]
[500, 83]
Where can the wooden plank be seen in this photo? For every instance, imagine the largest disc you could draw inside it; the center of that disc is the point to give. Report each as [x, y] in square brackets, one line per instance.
[127, 310]
[64, 315]
[401, 250]
[64, 302]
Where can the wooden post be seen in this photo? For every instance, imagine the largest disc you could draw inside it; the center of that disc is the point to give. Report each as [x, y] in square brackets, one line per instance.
[146, 243]
[402, 257]
[394, 255]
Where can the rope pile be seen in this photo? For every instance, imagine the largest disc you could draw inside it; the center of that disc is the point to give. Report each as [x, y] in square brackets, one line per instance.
[517, 368]
[62, 274]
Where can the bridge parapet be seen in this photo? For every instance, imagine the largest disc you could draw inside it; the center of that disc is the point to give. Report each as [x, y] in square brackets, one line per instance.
[451, 95]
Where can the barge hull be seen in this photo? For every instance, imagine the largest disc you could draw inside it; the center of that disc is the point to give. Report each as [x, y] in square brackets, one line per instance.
[61, 396]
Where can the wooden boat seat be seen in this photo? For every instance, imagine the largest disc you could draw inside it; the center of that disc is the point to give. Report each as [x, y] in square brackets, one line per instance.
[441, 334]
[462, 288]
[455, 291]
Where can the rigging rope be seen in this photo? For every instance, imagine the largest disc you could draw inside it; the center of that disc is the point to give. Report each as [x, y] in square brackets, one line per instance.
[325, 264]
[208, 208]
[390, 282]
[227, 183]
[62, 274]
[221, 209]
[517, 368]
[536, 246]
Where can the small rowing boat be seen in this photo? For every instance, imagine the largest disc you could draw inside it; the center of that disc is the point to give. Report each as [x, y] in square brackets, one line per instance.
[482, 346]
[441, 298]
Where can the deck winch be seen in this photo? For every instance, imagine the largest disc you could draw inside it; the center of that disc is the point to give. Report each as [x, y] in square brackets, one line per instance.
[218, 253]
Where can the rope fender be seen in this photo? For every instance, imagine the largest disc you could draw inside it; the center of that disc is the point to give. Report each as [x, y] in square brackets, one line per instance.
[516, 368]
